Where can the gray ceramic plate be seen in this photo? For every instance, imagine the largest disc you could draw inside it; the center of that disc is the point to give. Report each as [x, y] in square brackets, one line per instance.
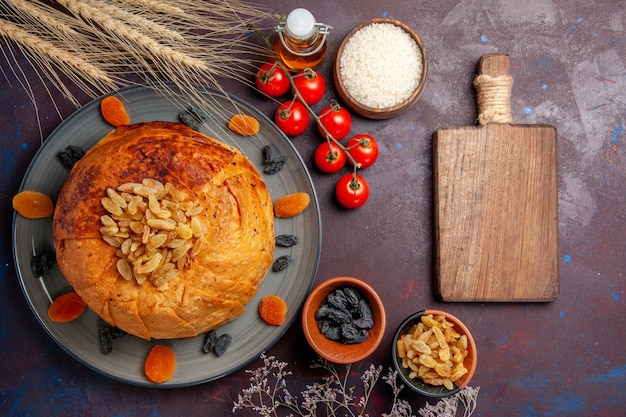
[251, 336]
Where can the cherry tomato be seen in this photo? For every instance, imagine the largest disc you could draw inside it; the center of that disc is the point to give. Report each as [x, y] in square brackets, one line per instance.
[364, 149]
[336, 120]
[329, 157]
[292, 117]
[310, 85]
[352, 191]
[272, 80]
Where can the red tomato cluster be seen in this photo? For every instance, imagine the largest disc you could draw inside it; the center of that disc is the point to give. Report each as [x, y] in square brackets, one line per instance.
[293, 118]
[352, 190]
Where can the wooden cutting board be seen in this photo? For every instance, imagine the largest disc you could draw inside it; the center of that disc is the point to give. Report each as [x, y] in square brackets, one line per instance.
[495, 201]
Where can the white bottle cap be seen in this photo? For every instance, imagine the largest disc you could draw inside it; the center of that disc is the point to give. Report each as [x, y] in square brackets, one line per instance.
[301, 24]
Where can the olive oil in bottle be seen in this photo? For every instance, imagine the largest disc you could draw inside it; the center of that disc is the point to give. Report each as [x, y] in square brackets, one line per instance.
[301, 41]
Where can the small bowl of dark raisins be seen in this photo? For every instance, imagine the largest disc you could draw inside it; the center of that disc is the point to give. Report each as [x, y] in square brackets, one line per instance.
[343, 320]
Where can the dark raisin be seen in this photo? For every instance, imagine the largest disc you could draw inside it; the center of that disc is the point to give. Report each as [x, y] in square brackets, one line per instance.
[70, 155]
[272, 159]
[275, 165]
[364, 314]
[281, 263]
[107, 335]
[323, 325]
[116, 332]
[338, 300]
[323, 311]
[222, 343]
[351, 335]
[198, 113]
[333, 333]
[339, 316]
[364, 322]
[363, 334]
[286, 241]
[344, 311]
[268, 154]
[348, 332]
[192, 117]
[188, 120]
[106, 339]
[352, 296]
[209, 341]
[41, 263]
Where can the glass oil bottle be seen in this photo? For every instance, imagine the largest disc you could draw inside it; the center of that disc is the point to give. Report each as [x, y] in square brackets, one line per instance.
[301, 41]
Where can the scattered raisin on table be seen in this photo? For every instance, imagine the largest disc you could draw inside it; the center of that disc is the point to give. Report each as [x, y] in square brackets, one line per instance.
[222, 343]
[106, 340]
[281, 263]
[209, 341]
[107, 334]
[192, 117]
[70, 155]
[286, 240]
[188, 120]
[198, 113]
[272, 159]
[216, 344]
[275, 165]
[42, 262]
[268, 153]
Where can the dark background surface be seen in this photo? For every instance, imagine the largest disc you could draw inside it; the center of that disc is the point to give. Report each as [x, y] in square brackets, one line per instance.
[564, 358]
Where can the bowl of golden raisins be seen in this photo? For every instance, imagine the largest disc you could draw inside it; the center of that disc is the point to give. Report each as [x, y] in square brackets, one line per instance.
[434, 353]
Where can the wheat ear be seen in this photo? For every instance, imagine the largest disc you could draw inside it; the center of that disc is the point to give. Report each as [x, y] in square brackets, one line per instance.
[157, 6]
[124, 31]
[42, 48]
[42, 15]
[98, 44]
[135, 20]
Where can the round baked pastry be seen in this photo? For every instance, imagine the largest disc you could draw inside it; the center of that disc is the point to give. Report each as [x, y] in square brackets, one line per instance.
[163, 231]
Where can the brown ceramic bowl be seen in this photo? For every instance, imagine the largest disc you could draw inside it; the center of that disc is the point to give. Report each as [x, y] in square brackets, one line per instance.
[373, 112]
[417, 384]
[335, 351]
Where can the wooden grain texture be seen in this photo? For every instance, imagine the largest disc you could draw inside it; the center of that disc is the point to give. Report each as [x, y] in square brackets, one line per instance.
[496, 214]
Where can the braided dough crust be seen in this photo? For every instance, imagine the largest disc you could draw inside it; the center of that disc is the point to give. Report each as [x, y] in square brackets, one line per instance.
[238, 215]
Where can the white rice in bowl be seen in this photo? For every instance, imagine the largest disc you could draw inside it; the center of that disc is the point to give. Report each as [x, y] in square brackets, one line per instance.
[381, 65]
